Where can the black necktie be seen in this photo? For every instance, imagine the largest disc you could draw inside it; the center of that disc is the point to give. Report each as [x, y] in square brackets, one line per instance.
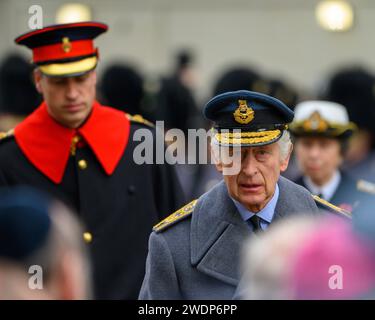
[255, 221]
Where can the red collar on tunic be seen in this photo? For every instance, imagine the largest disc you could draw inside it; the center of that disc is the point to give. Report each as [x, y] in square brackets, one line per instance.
[46, 143]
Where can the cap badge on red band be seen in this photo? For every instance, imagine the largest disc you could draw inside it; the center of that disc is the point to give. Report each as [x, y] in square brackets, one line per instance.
[66, 45]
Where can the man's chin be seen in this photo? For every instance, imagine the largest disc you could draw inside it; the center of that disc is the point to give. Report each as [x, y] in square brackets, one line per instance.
[74, 121]
[252, 201]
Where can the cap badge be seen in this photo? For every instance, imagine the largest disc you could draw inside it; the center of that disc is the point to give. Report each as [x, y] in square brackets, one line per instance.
[243, 113]
[315, 123]
[66, 45]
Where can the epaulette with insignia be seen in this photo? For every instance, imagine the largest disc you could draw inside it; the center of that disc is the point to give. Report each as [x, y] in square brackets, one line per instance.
[324, 204]
[366, 186]
[178, 215]
[139, 119]
[4, 135]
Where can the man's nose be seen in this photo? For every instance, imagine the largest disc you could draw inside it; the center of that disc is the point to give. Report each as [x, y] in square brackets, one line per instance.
[71, 90]
[249, 164]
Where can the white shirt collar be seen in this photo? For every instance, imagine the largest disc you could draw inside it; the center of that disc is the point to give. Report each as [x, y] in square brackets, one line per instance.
[327, 190]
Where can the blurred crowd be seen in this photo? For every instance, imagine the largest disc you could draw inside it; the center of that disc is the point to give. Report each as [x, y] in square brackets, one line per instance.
[172, 98]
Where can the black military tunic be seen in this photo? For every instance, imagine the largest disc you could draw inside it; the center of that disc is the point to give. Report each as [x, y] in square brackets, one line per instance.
[92, 169]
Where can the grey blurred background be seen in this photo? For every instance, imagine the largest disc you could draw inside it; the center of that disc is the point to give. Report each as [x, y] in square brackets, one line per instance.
[279, 38]
[165, 58]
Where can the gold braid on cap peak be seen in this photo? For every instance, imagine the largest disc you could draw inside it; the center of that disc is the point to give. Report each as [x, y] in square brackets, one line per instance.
[316, 123]
[247, 137]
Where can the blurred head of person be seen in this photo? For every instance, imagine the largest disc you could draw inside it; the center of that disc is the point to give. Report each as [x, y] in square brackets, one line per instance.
[18, 96]
[245, 78]
[353, 87]
[65, 60]
[321, 130]
[185, 68]
[250, 144]
[42, 255]
[239, 78]
[267, 259]
[334, 263]
[122, 87]
[283, 91]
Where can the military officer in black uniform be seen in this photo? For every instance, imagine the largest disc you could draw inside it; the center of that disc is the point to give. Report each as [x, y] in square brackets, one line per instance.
[322, 130]
[82, 153]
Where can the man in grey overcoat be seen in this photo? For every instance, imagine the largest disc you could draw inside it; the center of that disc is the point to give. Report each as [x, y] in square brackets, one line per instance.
[195, 252]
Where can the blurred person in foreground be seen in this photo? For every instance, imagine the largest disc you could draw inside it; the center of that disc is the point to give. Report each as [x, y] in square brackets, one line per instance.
[83, 153]
[195, 252]
[41, 252]
[336, 261]
[267, 260]
[304, 258]
[322, 130]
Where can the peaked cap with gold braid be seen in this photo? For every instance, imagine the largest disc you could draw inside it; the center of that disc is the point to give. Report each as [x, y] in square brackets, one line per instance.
[64, 50]
[247, 118]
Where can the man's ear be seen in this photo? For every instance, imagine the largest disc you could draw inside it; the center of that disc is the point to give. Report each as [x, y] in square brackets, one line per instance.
[285, 161]
[37, 76]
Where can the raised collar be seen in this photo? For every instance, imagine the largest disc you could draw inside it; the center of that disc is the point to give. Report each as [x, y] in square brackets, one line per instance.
[46, 143]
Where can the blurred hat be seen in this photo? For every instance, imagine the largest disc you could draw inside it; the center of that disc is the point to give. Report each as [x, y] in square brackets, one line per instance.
[122, 88]
[282, 91]
[355, 89]
[15, 77]
[257, 119]
[184, 58]
[321, 118]
[64, 49]
[238, 78]
[24, 222]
